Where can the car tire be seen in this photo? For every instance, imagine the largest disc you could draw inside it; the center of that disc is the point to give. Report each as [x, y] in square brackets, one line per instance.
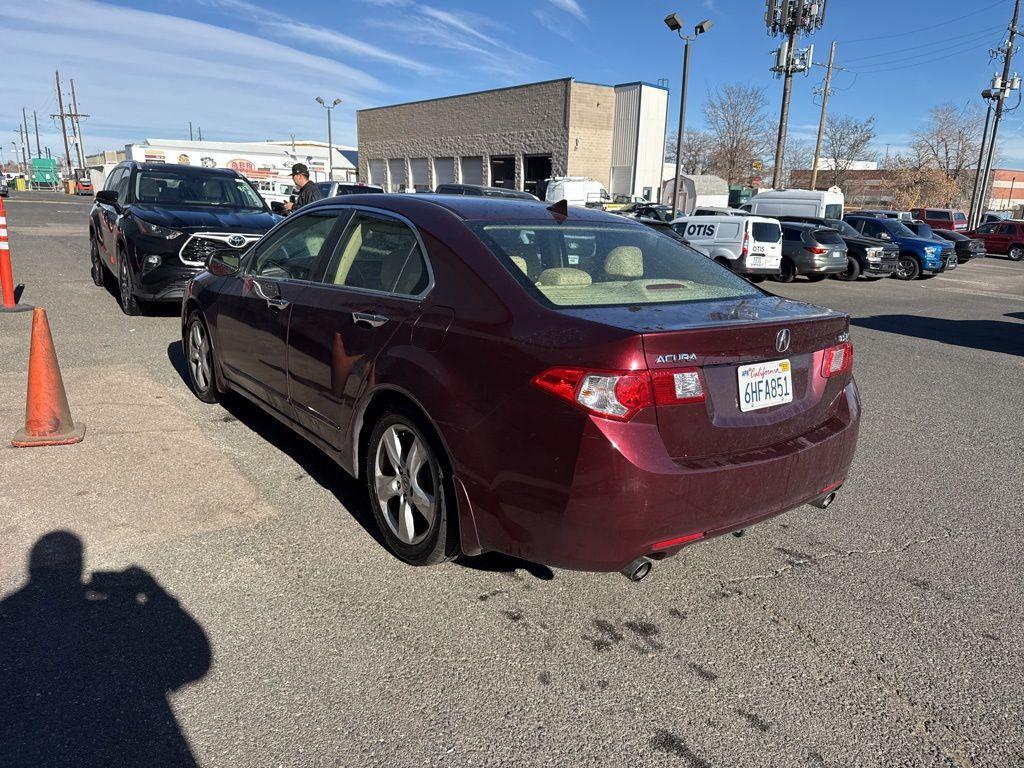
[1016, 252]
[815, 278]
[907, 268]
[756, 278]
[852, 271]
[787, 274]
[198, 349]
[97, 271]
[411, 493]
[126, 287]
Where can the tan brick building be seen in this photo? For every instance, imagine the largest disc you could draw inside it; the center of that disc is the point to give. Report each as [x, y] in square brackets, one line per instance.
[517, 136]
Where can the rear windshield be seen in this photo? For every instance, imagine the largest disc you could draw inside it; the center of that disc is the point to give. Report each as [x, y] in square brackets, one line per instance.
[925, 230]
[828, 237]
[168, 187]
[896, 228]
[766, 232]
[843, 227]
[607, 265]
[959, 216]
[834, 211]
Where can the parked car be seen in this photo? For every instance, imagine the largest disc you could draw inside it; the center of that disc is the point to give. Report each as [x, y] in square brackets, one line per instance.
[647, 211]
[989, 216]
[941, 218]
[4, 189]
[865, 256]
[810, 250]
[335, 188]
[477, 190]
[888, 214]
[575, 390]
[797, 202]
[716, 211]
[922, 230]
[575, 190]
[618, 202]
[748, 245]
[1003, 237]
[966, 248]
[154, 225]
[919, 258]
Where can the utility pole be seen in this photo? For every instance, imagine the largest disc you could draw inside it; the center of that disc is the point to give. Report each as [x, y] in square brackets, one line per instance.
[24, 155]
[63, 124]
[190, 130]
[200, 128]
[24, 121]
[789, 18]
[821, 122]
[35, 119]
[974, 214]
[78, 125]
[1005, 85]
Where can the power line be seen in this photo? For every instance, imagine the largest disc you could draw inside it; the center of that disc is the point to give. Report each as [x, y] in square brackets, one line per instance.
[875, 68]
[922, 29]
[963, 38]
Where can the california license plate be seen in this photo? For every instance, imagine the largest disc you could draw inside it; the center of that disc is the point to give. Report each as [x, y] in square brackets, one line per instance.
[765, 384]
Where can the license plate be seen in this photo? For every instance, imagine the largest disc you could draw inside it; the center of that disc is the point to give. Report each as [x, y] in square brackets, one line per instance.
[755, 260]
[951, 263]
[765, 384]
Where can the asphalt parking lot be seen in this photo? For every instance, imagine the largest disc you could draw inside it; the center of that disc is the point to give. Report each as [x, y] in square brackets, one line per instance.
[886, 630]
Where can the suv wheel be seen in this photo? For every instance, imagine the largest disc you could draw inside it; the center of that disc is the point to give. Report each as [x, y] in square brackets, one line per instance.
[1016, 252]
[126, 287]
[852, 270]
[199, 357]
[409, 495]
[907, 268]
[97, 271]
[787, 274]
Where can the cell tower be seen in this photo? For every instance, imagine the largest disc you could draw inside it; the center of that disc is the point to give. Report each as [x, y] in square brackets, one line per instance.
[787, 19]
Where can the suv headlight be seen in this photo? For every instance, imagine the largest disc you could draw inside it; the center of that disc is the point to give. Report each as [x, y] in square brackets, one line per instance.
[874, 254]
[154, 230]
[931, 250]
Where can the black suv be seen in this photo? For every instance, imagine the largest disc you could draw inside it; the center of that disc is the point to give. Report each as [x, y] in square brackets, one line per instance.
[154, 225]
[866, 256]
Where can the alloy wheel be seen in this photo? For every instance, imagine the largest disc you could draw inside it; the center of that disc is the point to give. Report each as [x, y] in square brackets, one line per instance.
[97, 266]
[200, 364]
[1016, 253]
[906, 268]
[405, 482]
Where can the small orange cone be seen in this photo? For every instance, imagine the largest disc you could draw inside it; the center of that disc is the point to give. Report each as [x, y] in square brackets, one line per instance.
[47, 415]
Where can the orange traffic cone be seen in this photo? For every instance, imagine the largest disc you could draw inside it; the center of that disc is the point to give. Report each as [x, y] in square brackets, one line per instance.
[9, 292]
[47, 415]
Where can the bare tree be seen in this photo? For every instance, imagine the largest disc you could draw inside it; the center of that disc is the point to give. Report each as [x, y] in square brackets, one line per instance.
[735, 116]
[847, 140]
[949, 143]
[697, 149]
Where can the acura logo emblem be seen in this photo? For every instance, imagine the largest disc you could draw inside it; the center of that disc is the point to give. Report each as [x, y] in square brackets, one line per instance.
[236, 241]
[782, 340]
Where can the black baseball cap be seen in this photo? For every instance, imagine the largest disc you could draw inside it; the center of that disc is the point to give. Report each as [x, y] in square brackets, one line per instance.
[300, 168]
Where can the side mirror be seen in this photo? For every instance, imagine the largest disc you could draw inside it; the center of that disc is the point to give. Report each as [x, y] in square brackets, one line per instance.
[108, 196]
[884, 236]
[222, 266]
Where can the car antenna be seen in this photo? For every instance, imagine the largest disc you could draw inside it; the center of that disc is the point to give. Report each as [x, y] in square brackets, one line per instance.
[560, 210]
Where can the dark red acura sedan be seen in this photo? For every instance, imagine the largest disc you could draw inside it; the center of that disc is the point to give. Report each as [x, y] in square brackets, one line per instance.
[562, 385]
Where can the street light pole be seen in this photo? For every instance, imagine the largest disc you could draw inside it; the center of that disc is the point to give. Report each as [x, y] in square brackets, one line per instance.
[330, 139]
[673, 22]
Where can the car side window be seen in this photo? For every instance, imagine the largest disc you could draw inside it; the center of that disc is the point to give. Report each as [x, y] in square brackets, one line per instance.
[790, 234]
[378, 253]
[986, 229]
[1007, 229]
[122, 185]
[872, 228]
[291, 253]
[113, 178]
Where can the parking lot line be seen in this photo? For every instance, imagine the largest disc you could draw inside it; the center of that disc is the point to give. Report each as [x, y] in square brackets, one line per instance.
[991, 294]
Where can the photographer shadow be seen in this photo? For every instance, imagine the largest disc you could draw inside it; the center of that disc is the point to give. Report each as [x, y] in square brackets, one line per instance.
[86, 667]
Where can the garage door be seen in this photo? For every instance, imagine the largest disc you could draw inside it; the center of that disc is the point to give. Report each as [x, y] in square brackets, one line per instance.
[444, 170]
[378, 172]
[472, 169]
[396, 167]
[420, 168]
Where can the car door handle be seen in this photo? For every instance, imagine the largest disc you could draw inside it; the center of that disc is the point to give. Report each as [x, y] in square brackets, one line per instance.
[368, 320]
[278, 303]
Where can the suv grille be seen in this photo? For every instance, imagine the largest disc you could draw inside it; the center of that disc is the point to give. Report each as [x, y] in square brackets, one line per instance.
[198, 249]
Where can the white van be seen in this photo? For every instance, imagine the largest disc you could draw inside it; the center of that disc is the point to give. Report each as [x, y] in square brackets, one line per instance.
[748, 245]
[826, 204]
[576, 190]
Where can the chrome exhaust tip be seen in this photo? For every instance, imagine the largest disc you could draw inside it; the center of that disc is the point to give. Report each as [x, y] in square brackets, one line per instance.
[638, 569]
[825, 501]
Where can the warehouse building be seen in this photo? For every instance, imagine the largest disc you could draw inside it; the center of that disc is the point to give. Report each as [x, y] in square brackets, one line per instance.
[515, 137]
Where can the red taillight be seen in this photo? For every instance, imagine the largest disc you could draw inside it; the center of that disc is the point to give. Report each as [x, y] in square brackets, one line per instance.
[816, 250]
[837, 360]
[677, 541]
[746, 242]
[620, 395]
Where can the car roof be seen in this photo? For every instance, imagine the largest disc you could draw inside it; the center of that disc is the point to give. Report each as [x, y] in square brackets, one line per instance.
[472, 208]
[179, 168]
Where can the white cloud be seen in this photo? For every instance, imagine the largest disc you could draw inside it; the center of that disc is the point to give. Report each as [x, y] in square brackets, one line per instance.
[551, 25]
[570, 6]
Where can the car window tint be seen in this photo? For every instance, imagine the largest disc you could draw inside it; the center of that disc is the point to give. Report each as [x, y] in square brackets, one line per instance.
[828, 237]
[833, 211]
[959, 216]
[607, 265]
[986, 229]
[765, 232]
[292, 251]
[122, 185]
[379, 254]
[790, 234]
[872, 228]
[113, 179]
[1007, 229]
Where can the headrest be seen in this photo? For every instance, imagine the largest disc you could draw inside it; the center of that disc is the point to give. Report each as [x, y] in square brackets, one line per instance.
[625, 261]
[563, 276]
[520, 262]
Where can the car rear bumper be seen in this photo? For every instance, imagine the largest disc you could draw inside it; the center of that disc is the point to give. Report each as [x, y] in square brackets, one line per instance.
[628, 495]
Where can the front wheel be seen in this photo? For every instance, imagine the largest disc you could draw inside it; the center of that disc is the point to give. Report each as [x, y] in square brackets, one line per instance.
[97, 270]
[907, 268]
[787, 274]
[1016, 253]
[852, 271]
[126, 289]
[199, 357]
[409, 491]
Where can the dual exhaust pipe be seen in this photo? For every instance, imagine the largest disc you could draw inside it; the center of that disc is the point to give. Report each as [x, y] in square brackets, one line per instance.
[640, 569]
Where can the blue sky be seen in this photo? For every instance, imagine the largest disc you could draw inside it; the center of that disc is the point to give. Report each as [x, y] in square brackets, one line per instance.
[249, 69]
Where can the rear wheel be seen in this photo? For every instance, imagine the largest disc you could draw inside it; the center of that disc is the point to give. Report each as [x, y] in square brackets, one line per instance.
[1016, 252]
[787, 274]
[756, 278]
[126, 288]
[199, 357]
[409, 491]
[97, 271]
[907, 268]
[852, 270]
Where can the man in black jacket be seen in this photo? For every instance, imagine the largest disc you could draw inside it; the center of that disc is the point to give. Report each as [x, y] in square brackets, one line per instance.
[307, 192]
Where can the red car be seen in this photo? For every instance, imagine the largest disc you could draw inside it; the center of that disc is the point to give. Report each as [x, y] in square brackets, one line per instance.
[562, 385]
[942, 218]
[1002, 237]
